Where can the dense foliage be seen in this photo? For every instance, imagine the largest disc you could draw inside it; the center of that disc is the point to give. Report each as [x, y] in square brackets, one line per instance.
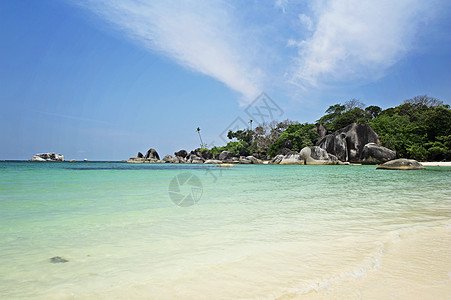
[419, 128]
[299, 135]
[353, 111]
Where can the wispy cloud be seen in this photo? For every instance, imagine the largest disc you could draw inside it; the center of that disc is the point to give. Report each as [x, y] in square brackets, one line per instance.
[200, 35]
[77, 118]
[281, 4]
[334, 42]
[357, 39]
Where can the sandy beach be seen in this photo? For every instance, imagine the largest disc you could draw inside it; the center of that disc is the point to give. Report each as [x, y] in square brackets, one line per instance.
[437, 163]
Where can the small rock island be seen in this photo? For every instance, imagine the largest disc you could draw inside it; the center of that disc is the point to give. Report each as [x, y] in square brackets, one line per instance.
[49, 156]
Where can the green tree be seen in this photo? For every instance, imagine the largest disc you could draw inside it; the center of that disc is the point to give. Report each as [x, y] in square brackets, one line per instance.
[353, 111]
[300, 135]
[418, 128]
[245, 135]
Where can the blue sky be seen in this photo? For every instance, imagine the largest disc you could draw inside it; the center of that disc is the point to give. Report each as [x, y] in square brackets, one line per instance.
[106, 79]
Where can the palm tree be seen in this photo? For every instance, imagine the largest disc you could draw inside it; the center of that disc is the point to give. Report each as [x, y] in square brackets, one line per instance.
[201, 143]
[250, 121]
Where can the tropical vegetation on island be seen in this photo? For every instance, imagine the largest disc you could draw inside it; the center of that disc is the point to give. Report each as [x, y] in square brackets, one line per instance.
[419, 128]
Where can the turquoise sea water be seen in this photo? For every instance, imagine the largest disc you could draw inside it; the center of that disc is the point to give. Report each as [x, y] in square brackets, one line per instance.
[256, 231]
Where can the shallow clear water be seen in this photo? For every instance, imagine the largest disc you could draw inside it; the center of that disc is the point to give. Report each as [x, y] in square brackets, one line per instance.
[256, 231]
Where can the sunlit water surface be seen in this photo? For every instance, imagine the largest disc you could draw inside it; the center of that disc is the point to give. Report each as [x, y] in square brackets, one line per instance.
[256, 231]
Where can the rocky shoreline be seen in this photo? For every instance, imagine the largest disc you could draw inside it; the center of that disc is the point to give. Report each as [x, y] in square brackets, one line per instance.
[355, 143]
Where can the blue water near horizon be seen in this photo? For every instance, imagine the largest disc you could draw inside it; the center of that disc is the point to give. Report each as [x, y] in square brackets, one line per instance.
[118, 227]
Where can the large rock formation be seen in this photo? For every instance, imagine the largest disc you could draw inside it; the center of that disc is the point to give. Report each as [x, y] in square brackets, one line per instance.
[181, 153]
[152, 154]
[315, 155]
[204, 154]
[254, 160]
[194, 159]
[244, 160]
[150, 157]
[347, 143]
[225, 155]
[277, 159]
[402, 164]
[292, 158]
[49, 156]
[169, 159]
[321, 130]
[373, 154]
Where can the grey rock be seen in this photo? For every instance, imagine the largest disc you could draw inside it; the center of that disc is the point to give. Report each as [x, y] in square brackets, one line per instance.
[37, 158]
[277, 159]
[58, 259]
[244, 160]
[335, 144]
[254, 160]
[321, 130]
[168, 158]
[206, 154]
[49, 156]
[152, 154]
[401, 164]
[315, 155]
[225, 155]
[182, 153]
[292, 158]
[194, 159]
[179, 159]
[347, 143]
[140, 155]
[373, 154]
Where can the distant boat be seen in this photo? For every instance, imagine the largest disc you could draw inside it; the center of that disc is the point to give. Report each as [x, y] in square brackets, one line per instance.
[85, 159]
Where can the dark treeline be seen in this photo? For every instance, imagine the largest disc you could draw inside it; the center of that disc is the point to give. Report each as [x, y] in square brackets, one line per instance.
[419, 128]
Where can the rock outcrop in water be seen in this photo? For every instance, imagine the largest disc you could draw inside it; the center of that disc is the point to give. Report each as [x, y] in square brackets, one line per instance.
[401, 164]
[49, 156]
[58, 259]
[347, 143]
[151, 156]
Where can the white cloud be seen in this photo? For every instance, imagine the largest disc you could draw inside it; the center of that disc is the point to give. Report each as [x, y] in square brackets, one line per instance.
[246, 46]
[357, 39]
[306, 21]
[200, 35]
[281, 4]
